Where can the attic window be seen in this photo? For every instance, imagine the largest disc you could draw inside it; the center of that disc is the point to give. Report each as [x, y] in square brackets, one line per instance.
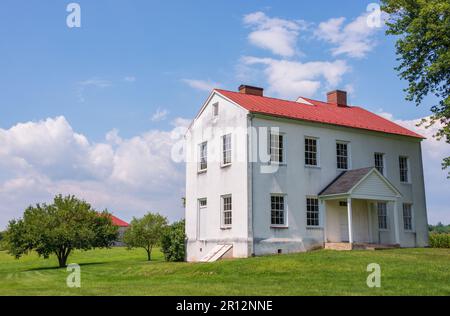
[215, 109]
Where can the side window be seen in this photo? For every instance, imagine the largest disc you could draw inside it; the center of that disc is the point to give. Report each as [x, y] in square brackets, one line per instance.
[404, 169]
[227, 211]
[312, 212]
[342, 155]
[379, 162]
[407, 217]
[311, 150]
[278, 212]
[382, 216]
[226, 150]
[203, 156]
[215, 108]
[276, 148]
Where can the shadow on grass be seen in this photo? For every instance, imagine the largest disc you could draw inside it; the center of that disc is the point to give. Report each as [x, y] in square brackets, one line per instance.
[57, 267]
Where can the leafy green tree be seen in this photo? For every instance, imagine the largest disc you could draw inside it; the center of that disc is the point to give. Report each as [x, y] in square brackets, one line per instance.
[145, 232]
[173, 242]
[59, 228]
[423, 49]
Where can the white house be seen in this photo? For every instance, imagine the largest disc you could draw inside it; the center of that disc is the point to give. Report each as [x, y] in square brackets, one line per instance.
[266, 176]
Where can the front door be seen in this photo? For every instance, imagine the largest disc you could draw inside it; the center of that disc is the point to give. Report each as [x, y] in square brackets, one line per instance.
[344, 225]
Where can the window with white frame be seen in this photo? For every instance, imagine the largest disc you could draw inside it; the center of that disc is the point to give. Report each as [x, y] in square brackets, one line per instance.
[382, 216]
[278, 215]
[379, 162]
[202, 203]
[407, 217]
[276, 148]
[403, 166]
[226, 149]
[203, 156]
[311, 151]
[342, 155]
[227, 211]
[312, 212]
[215, 109]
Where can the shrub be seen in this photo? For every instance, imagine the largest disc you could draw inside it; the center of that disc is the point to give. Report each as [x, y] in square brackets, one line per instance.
[439, 240]
[173, 242]
[2, 241]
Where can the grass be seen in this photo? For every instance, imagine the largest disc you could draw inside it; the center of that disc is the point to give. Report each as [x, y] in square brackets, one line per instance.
[119, 271]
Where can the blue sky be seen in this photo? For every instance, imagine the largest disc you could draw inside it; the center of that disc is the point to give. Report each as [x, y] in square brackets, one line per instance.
[140, 67]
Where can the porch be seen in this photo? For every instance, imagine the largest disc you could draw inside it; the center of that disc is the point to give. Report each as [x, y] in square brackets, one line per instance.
[360, 211]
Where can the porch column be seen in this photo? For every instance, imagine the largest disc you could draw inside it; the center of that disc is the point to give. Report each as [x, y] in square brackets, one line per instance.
[396, 227]
[350, 221]
[323, 211]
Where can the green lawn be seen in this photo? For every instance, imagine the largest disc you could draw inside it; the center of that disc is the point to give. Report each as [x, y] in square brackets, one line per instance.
[121, 272]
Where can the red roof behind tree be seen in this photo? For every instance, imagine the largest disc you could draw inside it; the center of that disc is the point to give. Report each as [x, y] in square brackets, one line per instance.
[118, 222]
[317, 111]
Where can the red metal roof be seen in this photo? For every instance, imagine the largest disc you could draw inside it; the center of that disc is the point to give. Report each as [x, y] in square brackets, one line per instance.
[321, 112]
[118, 222]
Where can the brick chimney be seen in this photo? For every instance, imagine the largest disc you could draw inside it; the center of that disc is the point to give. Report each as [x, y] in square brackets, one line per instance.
[337, 97]
[251, 90]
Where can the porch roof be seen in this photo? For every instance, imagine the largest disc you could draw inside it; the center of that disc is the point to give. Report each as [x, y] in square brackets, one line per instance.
[364, 182]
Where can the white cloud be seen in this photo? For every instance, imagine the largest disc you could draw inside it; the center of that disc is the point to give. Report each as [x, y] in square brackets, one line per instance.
[354, 39]
[290, 79]
[436, 182]
[201, 84]
[128, 176]
[275, 34]
[130, 78]
[159, 115]
[96, 82]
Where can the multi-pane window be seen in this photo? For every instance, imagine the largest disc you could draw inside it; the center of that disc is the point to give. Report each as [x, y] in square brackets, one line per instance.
[403, 165]
[227, 211]
[310, 151]
[407, 217]
[382, 215]
[379, 162]
[342, 155]
[276, 148]
[278, 210]
[312, 212]
[203, 156]
[202, 203]
[226, 149]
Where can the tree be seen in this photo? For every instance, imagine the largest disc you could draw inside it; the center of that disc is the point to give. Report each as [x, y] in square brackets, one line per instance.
[173, 242]
[423, 49]
[145, 232]
[59, 228]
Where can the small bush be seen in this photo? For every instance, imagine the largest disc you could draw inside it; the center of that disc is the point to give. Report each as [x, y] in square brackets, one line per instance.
[439, 240]
[173, 242]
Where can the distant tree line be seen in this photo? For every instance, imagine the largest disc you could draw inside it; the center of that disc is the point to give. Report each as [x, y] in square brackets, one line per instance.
[439, 228]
